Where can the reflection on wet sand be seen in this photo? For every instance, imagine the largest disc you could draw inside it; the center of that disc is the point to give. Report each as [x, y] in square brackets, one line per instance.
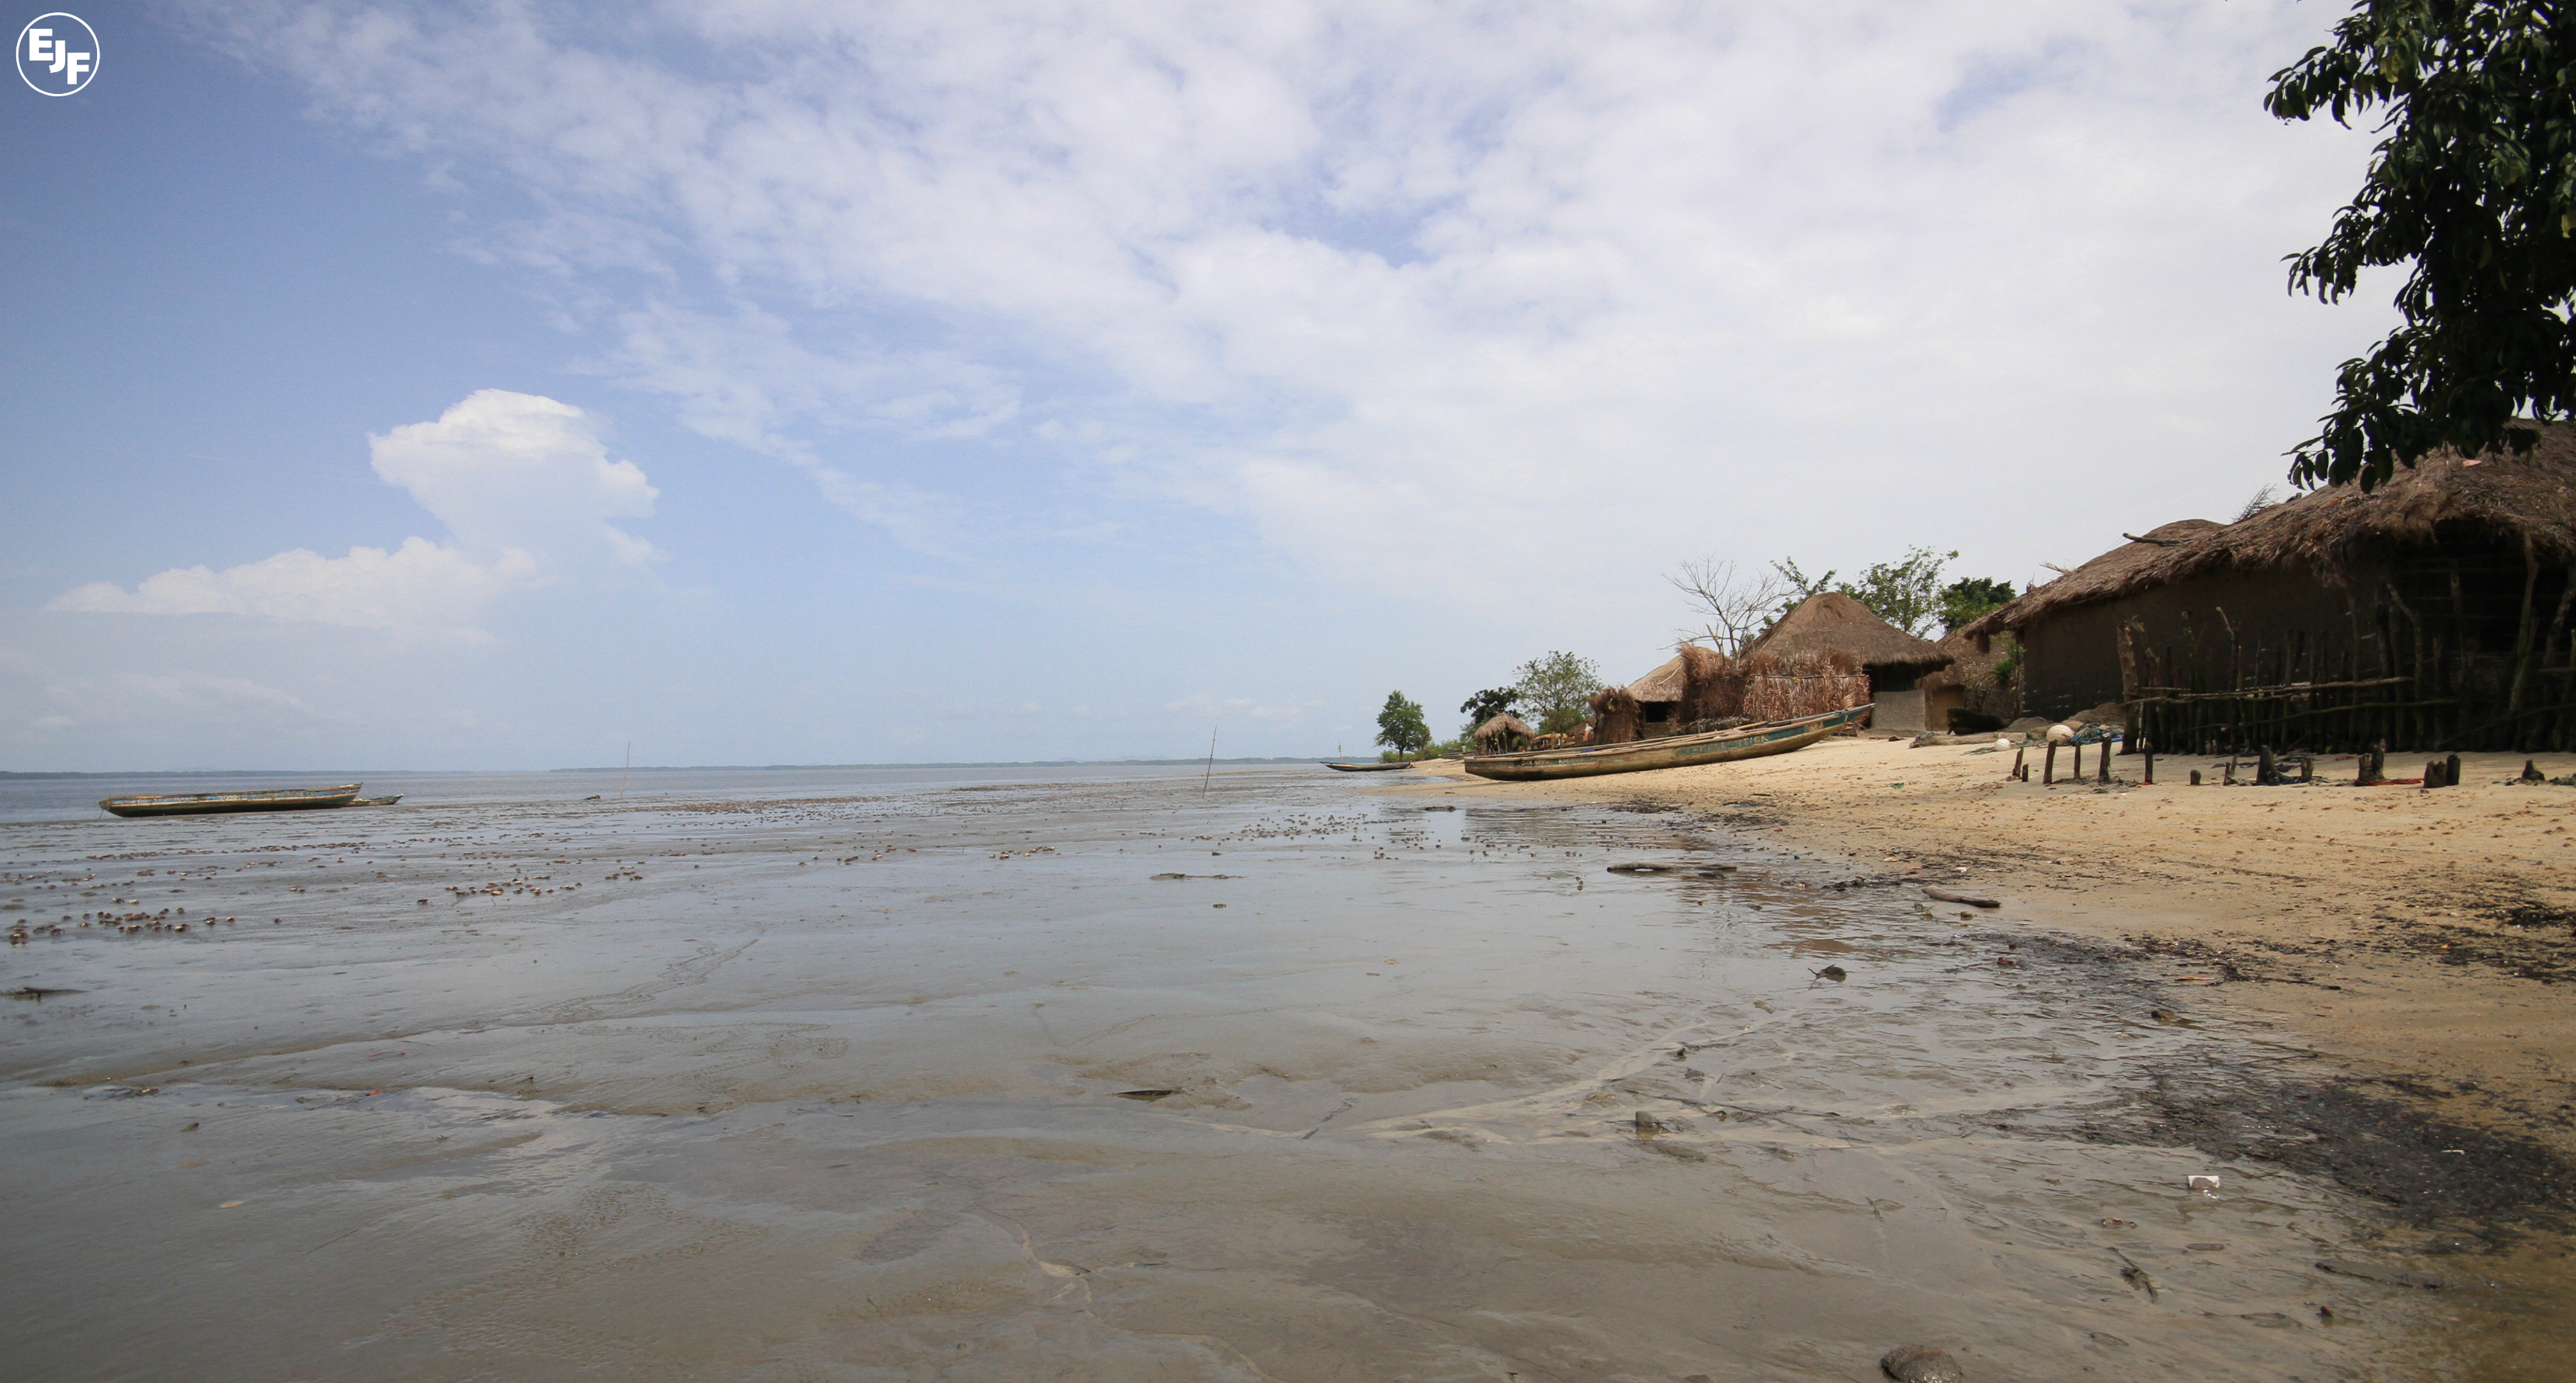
[829, 1088]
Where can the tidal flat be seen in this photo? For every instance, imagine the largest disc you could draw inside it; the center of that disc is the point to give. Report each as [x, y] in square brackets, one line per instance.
[1080, 1076]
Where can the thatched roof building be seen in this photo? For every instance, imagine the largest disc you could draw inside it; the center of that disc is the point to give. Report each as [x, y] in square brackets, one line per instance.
[2448, 588]
[1830, 623]
[1501, 731]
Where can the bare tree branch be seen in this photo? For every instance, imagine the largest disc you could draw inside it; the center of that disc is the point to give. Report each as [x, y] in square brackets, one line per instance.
[1734, 605]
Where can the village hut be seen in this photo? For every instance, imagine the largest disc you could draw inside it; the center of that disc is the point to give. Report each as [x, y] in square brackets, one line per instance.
[1660, 695]
[1502, 733]
[1979, 690]
[2431, 612]
[1832, 626]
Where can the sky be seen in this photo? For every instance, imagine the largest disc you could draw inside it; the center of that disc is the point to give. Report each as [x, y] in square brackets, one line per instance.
[494, 386]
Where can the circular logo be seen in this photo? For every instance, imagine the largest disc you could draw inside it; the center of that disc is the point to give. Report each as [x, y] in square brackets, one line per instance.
[57, 54]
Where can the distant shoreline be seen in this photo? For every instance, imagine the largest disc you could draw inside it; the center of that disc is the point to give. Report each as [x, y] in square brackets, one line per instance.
[7, 776]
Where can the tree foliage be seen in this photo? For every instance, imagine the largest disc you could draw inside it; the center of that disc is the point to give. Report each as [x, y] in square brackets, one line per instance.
[1400, 725]
[1970, 598]
[1556, 689]
[1487, 704]
[1905, 592]
[2473, 183]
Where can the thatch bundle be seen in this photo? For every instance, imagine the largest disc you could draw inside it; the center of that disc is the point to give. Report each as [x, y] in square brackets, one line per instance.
[1813, 683]
[1616, 717]
[1712, 686]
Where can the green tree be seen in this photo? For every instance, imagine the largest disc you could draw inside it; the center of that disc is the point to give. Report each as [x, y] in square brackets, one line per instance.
[1400, 726]
[1905, 592]
[1970, 598]
[1556, 688]
[2474, 185]
[1487, 704]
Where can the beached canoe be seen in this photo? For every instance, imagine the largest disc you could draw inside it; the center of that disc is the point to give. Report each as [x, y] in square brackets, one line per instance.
[201, 803]
[1679, 751]
[1362, 768]
[377, 801]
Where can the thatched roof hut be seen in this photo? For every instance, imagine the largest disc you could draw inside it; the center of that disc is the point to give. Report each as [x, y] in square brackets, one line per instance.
[2450, 581]
[1830, 624]
[1503, 729]
[1830, 621]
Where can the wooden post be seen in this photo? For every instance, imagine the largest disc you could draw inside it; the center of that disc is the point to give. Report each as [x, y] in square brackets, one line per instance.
[2020, 773]
[2195, 777]
[2307, 768]
[2078, 775]
[2048, 772]
[2147, 749]
[2451, 771]
[2102, 764]
[2227, 777]
[2267, 770]
[2432, 774]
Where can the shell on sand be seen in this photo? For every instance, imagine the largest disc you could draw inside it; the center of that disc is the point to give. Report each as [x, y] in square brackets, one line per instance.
[1921, 1364]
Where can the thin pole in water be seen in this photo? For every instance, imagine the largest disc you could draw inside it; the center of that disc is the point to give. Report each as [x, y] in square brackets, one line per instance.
[628, 768]
[1210, 776]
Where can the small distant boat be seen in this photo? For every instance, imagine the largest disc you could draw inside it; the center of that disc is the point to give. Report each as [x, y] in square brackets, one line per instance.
[203, 803]
[377, 801]
[1679, 751]
[1365, 767]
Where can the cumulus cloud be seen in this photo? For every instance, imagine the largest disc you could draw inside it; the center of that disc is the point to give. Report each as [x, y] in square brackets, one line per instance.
[1323, 266]
[523, 485]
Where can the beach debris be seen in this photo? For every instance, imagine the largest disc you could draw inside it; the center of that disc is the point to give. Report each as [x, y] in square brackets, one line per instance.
[2372, 1272]
[2134, 1275]
[2169, 1018]
[1832, 972]
[2101, 1337]
[1921, 1364]
[2113, 1222]
[1952, 896]
[2206, 1185]
[40, 995]
[2205, 1247]
[1648, 1124]
[1146, 1095]
[121, 1092]
[1645, 867]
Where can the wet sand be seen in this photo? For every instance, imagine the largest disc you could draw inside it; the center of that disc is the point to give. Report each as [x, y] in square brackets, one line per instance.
[1290, 1079]
[2420, 941]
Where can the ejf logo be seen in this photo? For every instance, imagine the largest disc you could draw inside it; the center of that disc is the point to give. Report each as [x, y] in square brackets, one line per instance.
[57, 54]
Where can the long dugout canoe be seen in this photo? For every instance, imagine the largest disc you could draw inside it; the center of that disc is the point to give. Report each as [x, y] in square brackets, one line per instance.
[204, 803]
[1679, 751]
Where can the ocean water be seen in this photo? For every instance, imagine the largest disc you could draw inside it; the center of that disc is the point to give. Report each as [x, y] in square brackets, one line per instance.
[1088, 1074]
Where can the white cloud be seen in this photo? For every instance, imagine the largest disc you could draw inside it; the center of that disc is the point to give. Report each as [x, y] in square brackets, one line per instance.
[523, 485]
[1598, 285]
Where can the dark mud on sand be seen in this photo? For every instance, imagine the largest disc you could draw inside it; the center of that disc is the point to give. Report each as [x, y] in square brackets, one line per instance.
[1290, 1079]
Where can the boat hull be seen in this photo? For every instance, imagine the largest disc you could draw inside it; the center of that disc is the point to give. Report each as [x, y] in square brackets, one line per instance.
[1684, 751]
[1364, 768]
[211, 803]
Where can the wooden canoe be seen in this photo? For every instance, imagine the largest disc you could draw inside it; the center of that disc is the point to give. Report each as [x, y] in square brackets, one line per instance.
[1363, 768]
[1679, 751]
[202, 803]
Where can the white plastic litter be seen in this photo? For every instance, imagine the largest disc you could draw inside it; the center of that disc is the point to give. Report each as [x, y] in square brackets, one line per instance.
[2206, 1185]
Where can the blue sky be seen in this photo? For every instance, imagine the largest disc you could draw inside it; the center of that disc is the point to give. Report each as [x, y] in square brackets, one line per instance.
[486, 386]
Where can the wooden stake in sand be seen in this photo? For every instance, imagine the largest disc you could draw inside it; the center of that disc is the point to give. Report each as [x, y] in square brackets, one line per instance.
[1210, 775]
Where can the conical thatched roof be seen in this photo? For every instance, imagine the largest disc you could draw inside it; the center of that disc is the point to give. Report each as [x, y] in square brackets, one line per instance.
[1666, 683]
[2508, 499]
[1830, 620]
[1504, 724]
